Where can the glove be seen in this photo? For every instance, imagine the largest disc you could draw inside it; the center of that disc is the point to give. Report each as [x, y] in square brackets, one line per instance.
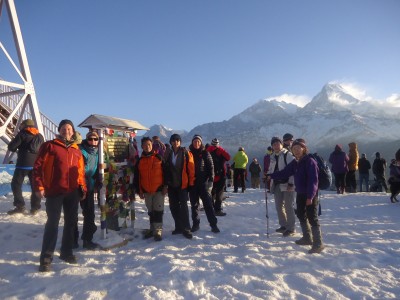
[209, 186]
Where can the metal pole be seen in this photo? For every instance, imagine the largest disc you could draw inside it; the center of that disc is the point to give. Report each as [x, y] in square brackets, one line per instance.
[102, 195]
[266, 205]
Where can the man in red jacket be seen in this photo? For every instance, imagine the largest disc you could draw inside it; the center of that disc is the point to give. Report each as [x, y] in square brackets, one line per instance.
[59, 175]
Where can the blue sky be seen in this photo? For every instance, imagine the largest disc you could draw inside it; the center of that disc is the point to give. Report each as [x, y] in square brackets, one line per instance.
[185, 63]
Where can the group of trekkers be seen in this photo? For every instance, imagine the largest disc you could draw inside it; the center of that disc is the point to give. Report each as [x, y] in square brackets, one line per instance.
[65, 171]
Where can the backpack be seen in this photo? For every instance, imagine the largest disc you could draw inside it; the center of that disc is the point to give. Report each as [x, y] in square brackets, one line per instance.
[218, 162]
[35, 143]
[324, 173]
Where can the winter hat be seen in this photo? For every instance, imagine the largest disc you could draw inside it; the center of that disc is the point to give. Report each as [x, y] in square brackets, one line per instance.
[363, 155]
[198, 137]
[300, 142]
[27, 122]
[288, 137]
[378, 155]
[215, 142]
[92, 133]
[241, 149]
[175, 137]
[276, 139]
[66, 121]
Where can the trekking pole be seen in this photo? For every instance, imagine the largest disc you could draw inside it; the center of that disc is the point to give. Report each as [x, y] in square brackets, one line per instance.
[266, 205]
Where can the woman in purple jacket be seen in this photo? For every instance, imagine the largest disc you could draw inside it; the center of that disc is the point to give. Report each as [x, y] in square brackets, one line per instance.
[305, 172]
[340, 167]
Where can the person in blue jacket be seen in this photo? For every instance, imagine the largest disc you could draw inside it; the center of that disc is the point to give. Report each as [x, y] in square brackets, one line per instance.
[305, 171]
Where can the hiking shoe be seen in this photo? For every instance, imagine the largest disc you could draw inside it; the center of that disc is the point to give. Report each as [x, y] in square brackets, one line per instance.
[17, 210]
[288, 233]
[71, 259]
[177, 231]
[89, 245]
[281, 229]
[215, 229]
[34, 211]
[157, 236]
[148, 234]
[220, 213]
[304, 242]
[44, 268]
[393, 199]
[317, 249]
[195, 228]
[187, 234]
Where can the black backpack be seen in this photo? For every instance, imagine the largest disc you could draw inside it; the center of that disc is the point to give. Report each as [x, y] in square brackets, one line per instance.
[324, 173]
[218, 162]
[35, 143]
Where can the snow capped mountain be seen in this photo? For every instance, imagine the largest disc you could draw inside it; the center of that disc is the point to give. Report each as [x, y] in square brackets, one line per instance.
[338, 114]
[163, 132]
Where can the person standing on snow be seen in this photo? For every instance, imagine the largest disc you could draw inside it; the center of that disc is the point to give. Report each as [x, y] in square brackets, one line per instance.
[287, 141]
[305, 171]
[24, 142]
[59, 175]
[363, 172]
[203, 184]
[219, 156]
[179, 178]
[339, 161]
[351, 182]
[379, 169]
[150, 184]
[283, 189]
[239, 174]
[255, 171]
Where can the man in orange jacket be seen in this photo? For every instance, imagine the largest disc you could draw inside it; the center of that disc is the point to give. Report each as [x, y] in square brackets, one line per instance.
[59, 175]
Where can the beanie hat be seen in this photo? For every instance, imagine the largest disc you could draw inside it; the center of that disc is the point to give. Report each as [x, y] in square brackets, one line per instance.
[287, 136]
[92, 133]
[241, 149]
[66, 121]
[363, 155]
[27, 122]
[198, 137]
[276, 139]
[300, 142]
[215, 142]
[377, 154]
[175, 137]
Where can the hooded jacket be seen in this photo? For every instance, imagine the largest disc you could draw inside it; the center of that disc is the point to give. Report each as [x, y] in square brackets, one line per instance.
[339, 160]
[353, 157]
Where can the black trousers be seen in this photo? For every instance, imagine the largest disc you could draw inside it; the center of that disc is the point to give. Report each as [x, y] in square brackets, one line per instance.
[54, 205]
[218, 193]
[178, 199]
[340, 180]
[238, 179]
[16, 187]
[88, 212]
[305, 212]
[200, 192]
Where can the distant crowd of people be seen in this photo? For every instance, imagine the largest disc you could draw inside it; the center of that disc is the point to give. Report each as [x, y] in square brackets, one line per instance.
[65, 171]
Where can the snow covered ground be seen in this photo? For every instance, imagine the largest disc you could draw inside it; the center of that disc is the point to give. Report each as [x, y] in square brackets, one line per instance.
[361, 261]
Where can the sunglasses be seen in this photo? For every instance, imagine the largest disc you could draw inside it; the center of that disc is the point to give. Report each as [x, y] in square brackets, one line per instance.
[92, 139]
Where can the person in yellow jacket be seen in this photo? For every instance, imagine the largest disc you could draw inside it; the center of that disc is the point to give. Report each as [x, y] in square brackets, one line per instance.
[240, 160]
[351, 182]
[149, 177]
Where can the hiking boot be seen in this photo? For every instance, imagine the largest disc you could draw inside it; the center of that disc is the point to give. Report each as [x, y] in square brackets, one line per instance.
[215, 229]
[148, 234]
[393, 199]
[17, 210]
[220, 213]
[187, 234]
[195, 227]
[317, 249]
[304, 242]
[71, 259]
[177, 231]
[288, 233]
[44, 268]
[89, 245]
[34, 211]
[157, 236]
[281, 229]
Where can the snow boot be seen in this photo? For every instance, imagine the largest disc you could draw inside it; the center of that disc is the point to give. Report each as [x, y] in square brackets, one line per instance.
[317, 245]
[306, 239]
[17, 210]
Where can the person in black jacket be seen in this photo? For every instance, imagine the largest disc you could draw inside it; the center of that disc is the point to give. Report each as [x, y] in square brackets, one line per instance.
[363, 171]
[203, 184]
[379, 170]
[24, 166]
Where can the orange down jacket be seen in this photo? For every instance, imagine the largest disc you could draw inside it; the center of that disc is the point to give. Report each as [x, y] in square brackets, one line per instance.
[58, 169]
[150, 168]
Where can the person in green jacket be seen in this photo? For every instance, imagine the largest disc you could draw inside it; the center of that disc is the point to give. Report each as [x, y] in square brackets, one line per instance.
[240, 160]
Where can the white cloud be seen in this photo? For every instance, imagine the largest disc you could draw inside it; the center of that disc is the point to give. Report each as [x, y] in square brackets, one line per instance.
[299, 100]
[393, 100]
